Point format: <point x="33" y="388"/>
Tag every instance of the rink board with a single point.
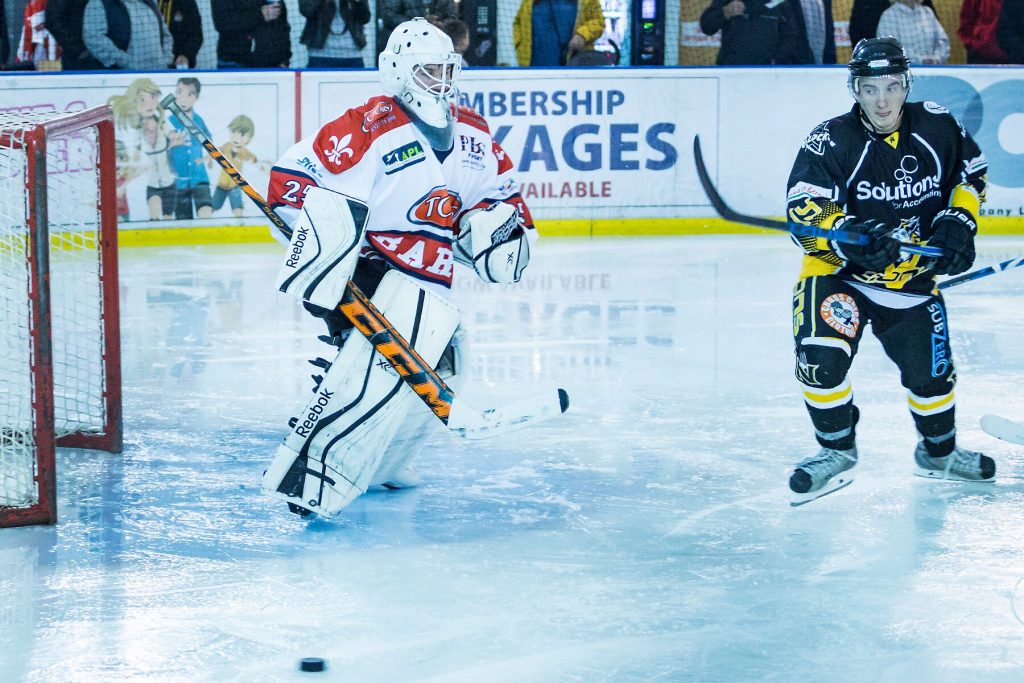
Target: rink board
<point x="597" y="152"/>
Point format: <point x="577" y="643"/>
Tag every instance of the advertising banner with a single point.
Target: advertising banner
<point x="592" y="145"/>
<point x="162" y="174"/>
<point x="585" y="146"/>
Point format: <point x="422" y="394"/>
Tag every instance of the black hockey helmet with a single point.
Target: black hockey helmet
<point x="878" y="57"/>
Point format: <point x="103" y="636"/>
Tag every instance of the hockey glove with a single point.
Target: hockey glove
<point x="881" y="251"/>
<point x="953" y="231"/>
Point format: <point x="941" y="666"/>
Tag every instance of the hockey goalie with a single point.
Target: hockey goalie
<point x="390" y="194"/>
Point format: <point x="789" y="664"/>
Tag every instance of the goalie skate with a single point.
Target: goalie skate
<point x="821" y="474"/>
<point x="960" y="465"/>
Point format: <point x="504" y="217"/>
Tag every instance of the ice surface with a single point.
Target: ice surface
<point x="644" y="536"/>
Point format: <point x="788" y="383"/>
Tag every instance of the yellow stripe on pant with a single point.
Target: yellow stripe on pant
<point x="930" y="405"/>
<point x="833" y="397"/>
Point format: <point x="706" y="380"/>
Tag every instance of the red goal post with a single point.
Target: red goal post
<point x="60" y="354"/>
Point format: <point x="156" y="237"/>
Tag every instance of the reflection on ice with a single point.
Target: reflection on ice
<point x="646" y="535"/>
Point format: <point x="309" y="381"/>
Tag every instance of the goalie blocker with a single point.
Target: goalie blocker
<point x="338" y="443"/>
<point x="324" y="248"/>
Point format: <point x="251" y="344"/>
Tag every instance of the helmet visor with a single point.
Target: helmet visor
<point x="437" y="79"/>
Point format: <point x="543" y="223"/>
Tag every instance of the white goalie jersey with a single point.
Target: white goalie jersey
<point x="376" y="155"/>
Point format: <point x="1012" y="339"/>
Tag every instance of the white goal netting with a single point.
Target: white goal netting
<point x="50" y="277"/>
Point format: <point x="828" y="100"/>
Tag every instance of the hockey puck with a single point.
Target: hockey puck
<point x="312" y="664"/>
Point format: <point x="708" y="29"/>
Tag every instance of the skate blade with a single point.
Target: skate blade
<point x="840" y="481"/>
<point x="940" y="475"/>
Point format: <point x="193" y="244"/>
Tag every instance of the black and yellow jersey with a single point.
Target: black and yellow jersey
<point x="903" y="178"/>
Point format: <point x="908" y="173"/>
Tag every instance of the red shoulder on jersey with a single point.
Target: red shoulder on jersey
<point x="341" y="144"/>
<point x="504" y="163"/>
<point x="470" y="117"/>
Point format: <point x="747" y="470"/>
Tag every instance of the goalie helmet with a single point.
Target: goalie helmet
<point x="874" y="57"/>
<point x="419" y="66"/>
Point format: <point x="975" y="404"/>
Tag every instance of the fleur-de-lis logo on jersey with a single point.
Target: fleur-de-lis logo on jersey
<point x="341" y="148"/>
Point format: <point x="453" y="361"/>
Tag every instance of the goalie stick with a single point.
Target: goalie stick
<point x="792" y="227"/>
<point x="454" y="412"/>
<point x="1004" y="429"/>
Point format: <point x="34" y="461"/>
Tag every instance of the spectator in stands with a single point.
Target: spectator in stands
<point x="458" y="31"/>
<point x="864" y="18"/>
<point x="64" y="20"/>
<point x="550" y="32"/>
<point x="394" y="12"/>
<point x="754" y="32"/>
<point x="252" y="33"/>
<point x="37" y="46"/>
<point x="5" y="42"/>
<point x="1010" y="30"/>
<point x="814" y="24"/>
<point x="978" y="20"/>
<point x="334" y="33"/>
<point x="127" y="34"/>
<point x="186" y="27"/>
<point x="918" y="30"/>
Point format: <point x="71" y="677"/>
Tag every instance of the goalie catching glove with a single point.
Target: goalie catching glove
<point x="494" y="243"/>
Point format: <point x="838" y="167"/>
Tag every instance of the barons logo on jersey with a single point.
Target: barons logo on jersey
<point x="840" y="312"/>
<point x="438" y="207"/>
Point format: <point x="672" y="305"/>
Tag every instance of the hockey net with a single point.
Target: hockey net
<point x="60" y="381"/>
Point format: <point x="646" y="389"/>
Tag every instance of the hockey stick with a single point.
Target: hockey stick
<point x="983" y="272"/>
<point x="459" y="417"/>
<point x="798" y="229"/>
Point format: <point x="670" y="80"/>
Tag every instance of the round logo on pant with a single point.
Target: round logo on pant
<point x="839" y="311"/>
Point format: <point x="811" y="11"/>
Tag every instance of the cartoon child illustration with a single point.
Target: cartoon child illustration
<point x="138" y="111"/>
<point x="237" y="152"/>
<point x="126" y="172"/>
<point x="188" y="156"/>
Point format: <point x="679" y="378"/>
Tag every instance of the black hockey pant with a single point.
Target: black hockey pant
<point x="829" y="317"/>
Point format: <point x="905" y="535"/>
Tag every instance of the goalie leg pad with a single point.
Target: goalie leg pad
<point x="336" y="445"/>
<point x="413" y="431"/>
<point x="324" y="248"/>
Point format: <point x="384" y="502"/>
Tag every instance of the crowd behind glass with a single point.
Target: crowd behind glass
<point x="151" y="35"/>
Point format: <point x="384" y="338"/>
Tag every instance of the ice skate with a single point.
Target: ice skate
<point x="821" y="474"/>
<point x="960" y="465"/>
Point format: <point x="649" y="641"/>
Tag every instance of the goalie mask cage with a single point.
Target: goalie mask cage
<point x="60" y="359"/>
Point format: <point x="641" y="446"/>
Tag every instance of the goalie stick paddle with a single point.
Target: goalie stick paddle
<point x="1004" y="429"/>
<point x="389" y="342"/>
<point x="798" y="229"/>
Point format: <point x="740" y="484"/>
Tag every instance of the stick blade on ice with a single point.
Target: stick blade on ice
<point x="1004" y="429"/>
<point x="525" y="412"/>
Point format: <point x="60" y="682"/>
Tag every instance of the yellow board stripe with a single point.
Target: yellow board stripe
<point x="607" y="227"/>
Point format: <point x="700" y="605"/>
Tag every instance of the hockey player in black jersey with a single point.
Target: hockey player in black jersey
<point x="891" y="170"/>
